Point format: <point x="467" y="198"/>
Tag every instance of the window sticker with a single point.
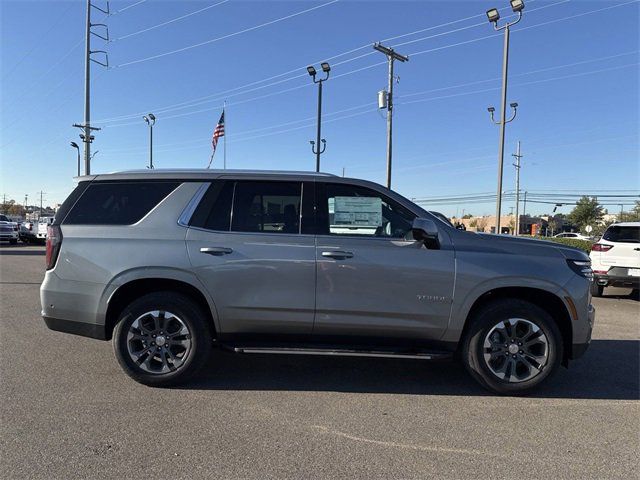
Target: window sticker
<point x="356" y="211"/>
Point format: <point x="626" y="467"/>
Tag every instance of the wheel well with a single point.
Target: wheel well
<point x="137" y="288"/>
<point x="549" y="302"/>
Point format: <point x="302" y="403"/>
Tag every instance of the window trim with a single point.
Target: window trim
<point x="190" y="209"/>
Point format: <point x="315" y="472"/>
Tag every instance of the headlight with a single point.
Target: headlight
<point x="582" y="268"/>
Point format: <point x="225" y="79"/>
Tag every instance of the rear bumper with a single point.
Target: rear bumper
<point x="622" y="281"/>
<point x="76" y="328"/>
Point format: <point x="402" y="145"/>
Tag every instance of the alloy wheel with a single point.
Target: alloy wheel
<point x="516" y="350"/>
<point x="158" y="342"/>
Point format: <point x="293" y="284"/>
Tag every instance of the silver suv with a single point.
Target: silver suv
<point x="170" y="263"/>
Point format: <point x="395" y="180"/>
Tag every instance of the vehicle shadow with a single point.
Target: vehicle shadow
<point x="608" y="370"/>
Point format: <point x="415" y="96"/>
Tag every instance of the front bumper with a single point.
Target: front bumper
<point x="578" y="349"/>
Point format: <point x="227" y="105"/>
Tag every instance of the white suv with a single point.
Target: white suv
<point x="615" y="259"/>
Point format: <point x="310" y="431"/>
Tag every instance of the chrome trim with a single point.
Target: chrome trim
<point x="338" y="353"/>
<point x="187" y="213"/>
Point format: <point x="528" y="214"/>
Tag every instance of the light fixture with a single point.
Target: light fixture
<point x="311" y="70"/>
<point x="493" y="15"/>
<point x="517" y="5"/>
<point x="514" y="105"/>
<point x="74" y="145"/>
<point x="491" y="109"/>
<point x="325" y="67"/>
<point x="152" y="116"/>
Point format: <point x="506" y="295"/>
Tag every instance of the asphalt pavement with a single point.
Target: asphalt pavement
<point x="67" y="411"/>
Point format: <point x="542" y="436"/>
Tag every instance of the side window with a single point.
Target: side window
<point x="354" y="210"/>
<point x="270" y="207"/>
<point x="117" y="203"/>
<point x="214" y="210"/>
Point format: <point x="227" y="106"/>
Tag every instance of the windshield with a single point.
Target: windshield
<point x="617" y="233"/>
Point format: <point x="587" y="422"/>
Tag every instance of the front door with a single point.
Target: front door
<point x="246" y="245"/>
<point x="373" y="279"/>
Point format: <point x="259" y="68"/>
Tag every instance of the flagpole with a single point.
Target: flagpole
<point x="224" y="111"/>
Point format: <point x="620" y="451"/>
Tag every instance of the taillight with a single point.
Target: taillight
<point x="601" y="247"/>
<point x="54" y="241"/>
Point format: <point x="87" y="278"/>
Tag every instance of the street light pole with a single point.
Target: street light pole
<point x="493" y="15"/>
<point x="315" y="146"/>
<point x="77" y="147"/>
<point x="391" y="57"/>
<point x="151" y="120"/>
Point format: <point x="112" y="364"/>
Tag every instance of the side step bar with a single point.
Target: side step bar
<point x="346" y="353"/>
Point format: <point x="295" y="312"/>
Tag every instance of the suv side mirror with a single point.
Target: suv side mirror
<point x="425" y="230"/>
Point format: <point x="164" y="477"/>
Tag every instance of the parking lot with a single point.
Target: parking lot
<point x="69" y="412"/>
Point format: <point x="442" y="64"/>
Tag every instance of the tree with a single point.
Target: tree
<point x="482" y="224"/>
<point x="586" y="212"/>
<point x="468" y="215"/>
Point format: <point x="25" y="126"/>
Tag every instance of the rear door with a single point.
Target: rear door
<point x="248" y="245"/>
<point x="374" y="280"/>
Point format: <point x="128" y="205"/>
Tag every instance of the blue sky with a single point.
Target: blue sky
<point x="574" y="74"/>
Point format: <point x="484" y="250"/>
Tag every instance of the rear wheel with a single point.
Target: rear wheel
<point x="162" y="339"/>
<point x="596" y="290"/>
<point x="512" y="346"/>
<point x="13" y="241"/>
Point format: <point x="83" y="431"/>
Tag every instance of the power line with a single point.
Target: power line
<point x="213" y="40"/>
<point x="169" y="21"/>
<point x="195" y="102"/>
<point x="473" y="92"/>
<point x="198" y="100"/>
<point x="128" y="7"/>
<point x="37" y="43"/>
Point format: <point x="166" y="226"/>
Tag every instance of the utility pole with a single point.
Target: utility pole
<point x="517" y="156"/>
<point x="41" y="193"/>
<point x="391" y="55"/>
<point x="86" y="127"/>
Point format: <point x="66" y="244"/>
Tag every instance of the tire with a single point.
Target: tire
<point x="541" y="345"/>
<point x="596" y="290"/>
<point x="13" y="241"/>
<point x="183" y="328"/>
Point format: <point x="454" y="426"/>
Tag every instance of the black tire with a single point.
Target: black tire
<point x="493" y="315"/>
<point x="596" y="290"/>
<point x="13" y="241"/>
<point x="199" y="338"/>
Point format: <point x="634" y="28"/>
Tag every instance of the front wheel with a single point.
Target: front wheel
<point x="162" y="339"/>
<point x="512" y="346"/>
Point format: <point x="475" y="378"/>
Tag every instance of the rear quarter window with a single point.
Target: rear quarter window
<point x="616" y="233"/>
<point x="117" y="203"/>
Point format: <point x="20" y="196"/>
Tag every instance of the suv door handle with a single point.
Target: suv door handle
<point x="337" y="254"/>
<point x="217" y="251"/>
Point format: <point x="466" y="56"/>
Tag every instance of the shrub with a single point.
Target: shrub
<point x="584" y="245"/>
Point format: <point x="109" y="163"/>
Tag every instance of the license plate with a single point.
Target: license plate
<point x="634" y="272"/>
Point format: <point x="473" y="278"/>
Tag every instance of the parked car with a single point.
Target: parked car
<point x="577" y="236"/>
<point x="8" y="230"/>
<point x="35" y="232"/>
<point x="168" y="263"/>
<point x="616" y="258"/>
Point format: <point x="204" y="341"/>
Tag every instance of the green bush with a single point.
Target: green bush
<point x="584" y="245"/>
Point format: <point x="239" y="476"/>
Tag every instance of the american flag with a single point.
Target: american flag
<point x="218" y="132"/>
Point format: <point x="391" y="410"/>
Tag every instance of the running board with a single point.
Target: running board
<point x="346" y="353"/>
